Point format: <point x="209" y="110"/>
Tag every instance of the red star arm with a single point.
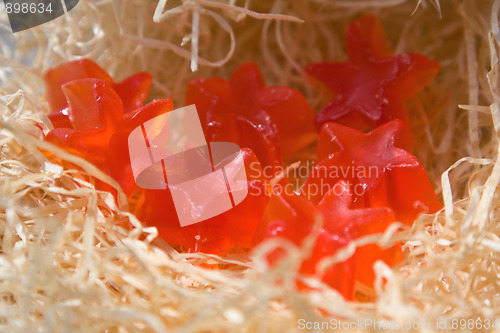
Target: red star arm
<point x="298" y="213"/>
<point x="328" y="142"/>
<point x="335" y="207"/>
<point x="134" y="90"/>
<point x="243" y="220"/>
<point x="332" y="74"/>
<point x="293" y="117"/>
<point x="149" y="111"/>
<point x="292" y="217"/>
<point x="93" y="103"/>
<point x="246" y="81"/>
<point x="234" y="228"/>
<point x="415" y="73"/>
<point x="261" y="135"/>
<point x="55" y="77"/>
<point x="340" y="276"/>
<point x="408" y="191"/>
<point x="209" y="96"/>
<point x="60" y="119"/>
<point x="365" y="39"/>
<point x="242" y="110"/>
<point x="90" y="144"/>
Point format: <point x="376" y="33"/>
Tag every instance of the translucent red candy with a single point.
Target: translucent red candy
<point x="362" y="182"/>
<point x="373" y="86"/>
<point x="132" y="91"/>
<point x="338" y="214"/>
<point x="232" y="229"/>
<point x="275" y="122"/>
<point x="293" y="217"/>
<point x="100" y="126"/>
<point x="95" y="125"/>
<point x="379" y="173"/>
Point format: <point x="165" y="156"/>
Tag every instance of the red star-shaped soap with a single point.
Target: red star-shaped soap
<point x="100" y="126"/>
<point x="373" y="86"/>
<point x="380" y="174"/>
<point x="132" y="91"/>
<point x="275" y="122"/>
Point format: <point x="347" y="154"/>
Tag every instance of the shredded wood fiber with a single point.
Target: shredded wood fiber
<point x="70" y="263"/>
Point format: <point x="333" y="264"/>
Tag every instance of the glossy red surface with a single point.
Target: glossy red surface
<point x="274" y="121"/>
<point x="373" y="86"/>
<point x="379" y="173"/>
<point x="293" y="217"/>
<point x="132" y="91"/>
<point x="100" y="115"/>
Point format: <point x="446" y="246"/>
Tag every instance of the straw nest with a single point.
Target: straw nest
<point x="69" y="261"/>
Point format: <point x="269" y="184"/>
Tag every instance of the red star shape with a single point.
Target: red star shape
<point x="100" y="126"/>
<point x="292" y="217"/>
<point x="99" y="116"/>
<point x="132" y="91"/>
<point x="338" y="215"/>
<point x="373" y="86"/>
<point x="232" y="229"/>
<point x="380" y="174"/>
<point x="275" y="122"/>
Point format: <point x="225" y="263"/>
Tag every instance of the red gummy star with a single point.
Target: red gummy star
<point x="292" y="217"/>
<point x="380" y="174"/>
<point x="95" y="121"/>
<point x="338" y="215"/>
<point x="132" y="91"/>
<point x="217" y="235"/>
<point x="373" y="86"/>
<point x="100" y="126"/>
<point x="275" y="122"/>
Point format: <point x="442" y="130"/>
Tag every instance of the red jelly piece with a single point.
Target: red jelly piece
<point x="73" y="70"/>
<point x="232" y="229"/>
<point x="380" y="174"/>
<point x="338" y="215"/>
<point x="292" y="217"/>
<point x="275" y="122"/>
<point x="373" y="86"/>
<point x="101" y="127"/>
<point x="88" y="100"/>
<point x="132" y="91"/>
